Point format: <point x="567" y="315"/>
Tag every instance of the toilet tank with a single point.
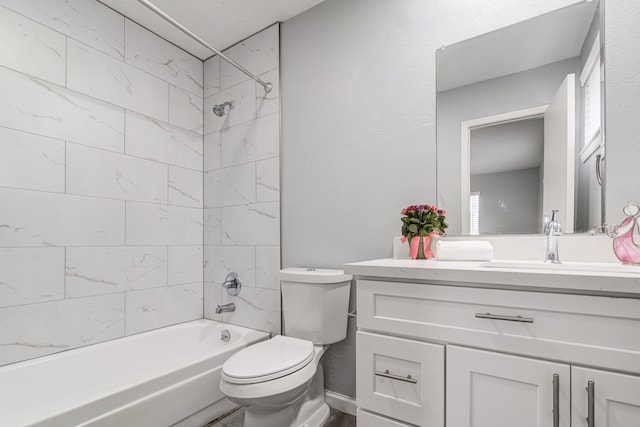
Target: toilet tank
<point x="315" y="304"/>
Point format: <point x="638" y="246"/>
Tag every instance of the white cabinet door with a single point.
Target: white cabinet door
<point x="616" y="398"/>
<point x="487" y="389"/>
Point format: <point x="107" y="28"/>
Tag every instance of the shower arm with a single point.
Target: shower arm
<point x="267" y="86"/>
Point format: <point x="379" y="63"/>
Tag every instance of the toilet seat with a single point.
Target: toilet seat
<point x="268" y="360"/>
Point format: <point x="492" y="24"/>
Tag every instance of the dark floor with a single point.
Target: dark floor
<point x="336" y="419"/>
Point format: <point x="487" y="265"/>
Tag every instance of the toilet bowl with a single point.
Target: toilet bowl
<point x="280" y="381"/>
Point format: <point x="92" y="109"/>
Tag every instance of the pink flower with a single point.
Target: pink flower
<point x="403" y="211"/>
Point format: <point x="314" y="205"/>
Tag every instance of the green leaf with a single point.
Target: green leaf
<point x="413" y="228"/>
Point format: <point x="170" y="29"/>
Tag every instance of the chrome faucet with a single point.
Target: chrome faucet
<point x="225" y="308"/>
<point x="552" y="229"/>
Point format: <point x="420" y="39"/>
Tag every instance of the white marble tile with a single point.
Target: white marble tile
<point x="185" y="109"/>
<point x="34" y="330"/>
<point x="257" y="140"/>
<point x="31" y="161"/>
<point x="31" y="218"/>
<point x="46" y="48"/>
<point x="104" y="270"/>
<point x="212" y="298"/>
<point x="164" y="60"/>
<point x="213" y="226"/>
<point x="222" y="260"/>
<point x="99" y="173"/>
<point x="30" y="275"/>
<point x="88" y="21"/>
<point x="257" y="224"/>
<point x="185" y="265"/>
<point x="268" y="267"/>
<point x="101" y="76"/>
<point x="212" y="151"/>
<point x="185" y="187"/>
<point x="31" y="105"/>
<point x="255" y="308"/>
<point x="151" y="224"/>
<point x="244" y="96"/>
<point x="235" y="185"/>
<point x="268" y="103"/>
<point x="212" y="76"/>
<point x="268" y="180"/>
<point x="156" y="308"/>
<point x="259" y="53"/>
<point x="156" y="140"/>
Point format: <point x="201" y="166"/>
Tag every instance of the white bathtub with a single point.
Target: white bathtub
<point x="156" y="378"/>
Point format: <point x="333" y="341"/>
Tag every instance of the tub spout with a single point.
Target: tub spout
<point x="224" y="308"/>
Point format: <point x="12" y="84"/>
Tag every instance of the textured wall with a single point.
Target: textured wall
<point x="100" y="178"/>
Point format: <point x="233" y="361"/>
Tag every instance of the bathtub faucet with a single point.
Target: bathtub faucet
<point x="224" y="308"/>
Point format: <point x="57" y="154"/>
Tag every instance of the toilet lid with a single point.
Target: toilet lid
<point x="268" y="360"/>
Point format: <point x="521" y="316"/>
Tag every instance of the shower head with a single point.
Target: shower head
<point x="218" y="109"/>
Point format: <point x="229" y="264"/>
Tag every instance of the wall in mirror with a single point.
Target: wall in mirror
<point x="519" y="131"/>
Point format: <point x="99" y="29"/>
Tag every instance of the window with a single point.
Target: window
<point x="474" y="213"/>
<point x="590" y="79"/>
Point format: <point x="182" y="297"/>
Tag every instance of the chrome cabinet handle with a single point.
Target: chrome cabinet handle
<point x="591" y="396"/>
<point x="556" y="400"/>
<point x="598" y="171"/>
<point x="502" y="317"/>
<point x="406" y="379"/>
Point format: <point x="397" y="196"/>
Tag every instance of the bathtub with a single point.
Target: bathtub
<point x="156" y="378"/>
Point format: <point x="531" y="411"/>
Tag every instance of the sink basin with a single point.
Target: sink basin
<point x="600" y="267"/>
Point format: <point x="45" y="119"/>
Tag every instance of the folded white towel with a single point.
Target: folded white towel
<point x="464" y="250"/>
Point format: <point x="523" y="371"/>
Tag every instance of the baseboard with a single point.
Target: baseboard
<point x="342" y="403"/>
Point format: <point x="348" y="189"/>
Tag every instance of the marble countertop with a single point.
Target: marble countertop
<point x="476" y="274"/>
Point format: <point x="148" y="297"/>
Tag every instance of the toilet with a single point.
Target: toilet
<point x="280" y="381"/>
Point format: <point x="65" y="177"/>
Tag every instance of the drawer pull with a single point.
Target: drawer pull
<point x="502" y="317"/>
<point x="556" y="400"/>
<point x="591" y="396"/>
<point x="406" y="379"/>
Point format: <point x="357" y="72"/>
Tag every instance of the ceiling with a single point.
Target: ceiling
<point x="222" y="23"/>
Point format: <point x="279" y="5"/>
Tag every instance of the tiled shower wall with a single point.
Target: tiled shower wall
<point x="101" y="154"/>
<point x="242" y="184"/>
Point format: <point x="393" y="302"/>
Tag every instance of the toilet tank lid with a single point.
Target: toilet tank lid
<point x="314" y="275"/>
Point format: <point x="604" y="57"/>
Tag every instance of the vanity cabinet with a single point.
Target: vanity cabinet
<point x="501" y="356"/>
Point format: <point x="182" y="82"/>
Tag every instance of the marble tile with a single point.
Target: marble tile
<point x="47" y="48"/>
<point x="268" y="103"/>
<point x="257" y="140"/>
<point x="257" y="224"/>
<point x="88" y="21"/>
<point x="104" y="270"/>
<point x="255" y="308"/>
<point x="212" y="151"/>
<point x="155" y="55"/>
<point x="185" y="109"/>
<point x="235" y="185"/>
<point x="213" y="226"/>
<point x="185" y="264"/>
<point x="185" y="187"/>
<point x="155" y="140"/>
<point x="156" y="308"/>
<point x="151" y="224"/>
<point x="31" y="218"/>
<point x="212" y="298"/>
<point x="30" y="275"/>
<point x="26" y="330"/>
<point x="244" y="96"/>
<point x="268" y="267"/>
<point x="30" y="105"/>
<point x="212" y="76"/>
<point x="99" y="173"/>
<point x="31" y="161"/>
<point x="98" y="75"/>
<point x="259" y="53"/>
<point x="222" y="260"/>
<point x="268" y="180"/>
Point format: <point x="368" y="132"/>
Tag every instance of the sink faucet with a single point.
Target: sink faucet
<point x="224" y="308"/>
<point x="552" y="229"/>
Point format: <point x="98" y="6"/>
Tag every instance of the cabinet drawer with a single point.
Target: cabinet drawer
<point x="367" y="419"/>
<point x="592" y="330"/>
<point x="400" y="378"/>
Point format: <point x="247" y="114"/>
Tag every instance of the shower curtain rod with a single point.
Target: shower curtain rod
<point x="163" y="15"/>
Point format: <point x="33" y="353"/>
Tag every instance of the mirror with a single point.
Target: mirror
<point x="519" y="131"/>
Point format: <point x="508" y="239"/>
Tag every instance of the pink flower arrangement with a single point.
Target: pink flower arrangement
<point x="422" y="220"/>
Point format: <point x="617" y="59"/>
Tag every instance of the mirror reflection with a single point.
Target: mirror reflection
<point x="519" y="125"/>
